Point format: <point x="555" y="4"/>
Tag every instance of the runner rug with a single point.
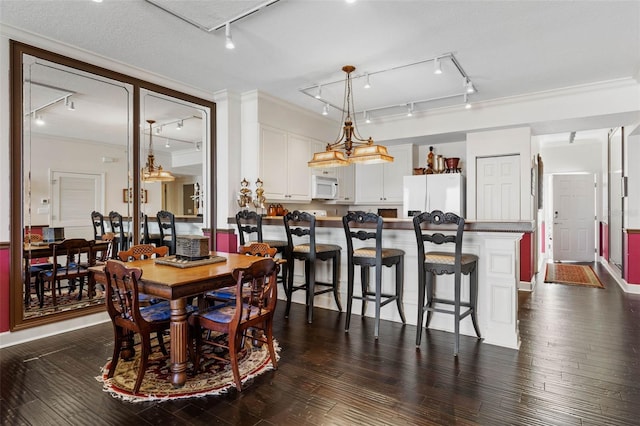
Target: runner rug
<point x="214" y="378"/>
<point x="561" y="273"/>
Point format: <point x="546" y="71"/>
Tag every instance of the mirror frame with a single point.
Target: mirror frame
<point x="17" y="50"/>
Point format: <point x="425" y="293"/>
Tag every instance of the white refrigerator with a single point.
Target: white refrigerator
<point x="445" y="191"/>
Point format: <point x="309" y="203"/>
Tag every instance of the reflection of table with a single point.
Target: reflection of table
<point x="45" y="250"/>
<point x="176" y="284"/>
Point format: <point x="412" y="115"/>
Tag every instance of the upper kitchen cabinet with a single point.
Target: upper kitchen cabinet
<point x="283" y="165"/>
<point x="382" y="183"/>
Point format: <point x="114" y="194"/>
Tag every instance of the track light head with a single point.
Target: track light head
<point x="467" y="104"/>
<point x="367" y="85"/>
<point x="228" y="40"/>
<point x="319" y="93"/>
<point x="39" y="120"/>
<point x="180" y="125"/>
<point x="325" y="110"/>
<point x="437" y="68"/>
<point x="410" y="110"/>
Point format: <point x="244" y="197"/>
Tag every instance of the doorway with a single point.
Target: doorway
<point x="574" y="213"/>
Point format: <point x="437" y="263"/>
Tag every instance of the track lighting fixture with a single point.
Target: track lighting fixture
<point x="228" y="40"/>
<point x="437" y="69"/>
<point x="325" y="110"/>
<point x="319" y="94"/>
<point x="167" y="144"/>
<point x="179" y="126"/>
<point x="39" y="120"/>
<point x="367" y="85"/>
<point x="69" y="104"/>
<point x="467" y="104"/>
<point x="410" y="110"/>
<point x="367" y="118"/>
<point x="468" y="85"/>
<point x="198" y="147"/>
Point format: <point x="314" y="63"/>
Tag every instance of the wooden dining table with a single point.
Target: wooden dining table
<point x="176" y="285"/>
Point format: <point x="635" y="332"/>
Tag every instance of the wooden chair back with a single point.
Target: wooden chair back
<point x="167" y="225"/>
<point x="122" y="294"/>
<point x="363" y="226"/>
<point x="427" y="234"/>
<point x="301" y="228"/>
<point x="249" y="223"/>
<point x="142" y="251"/>
<point x="260" y="280"/>
<point x="258" y="249"/>
<point x="97" y="220"/>
<point x="117" y="227"/>
<point x="32" y="238"/>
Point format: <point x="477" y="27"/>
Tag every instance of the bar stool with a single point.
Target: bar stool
<point x="249" y="223"/>
<point x="433" y="263"/>
<point x="303" y="226"/>
<point x="117" y="227"/>
<point x="167" y="225"/>
<point x="97" y="220"/>
<point x="367" y="257"/>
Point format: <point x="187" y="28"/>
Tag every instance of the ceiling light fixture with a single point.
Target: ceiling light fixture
<point x="367" y="85"/>
<point x="367" y="118"/>
<point x="319" y="93"/>
<point x="228" y="40"/>
<point x="437" y="68"/>
<point x="167" y="144"/>
<point x="179" y="125"/>
<point x="467" y="104"/>
<point x="151" y="172"/>
<point x="350" y="147"/>
<point x="70" y="105"/>
<point x="198" y="146"/>
<point x="325" y="109"/>
<point x="469" y="86"/>
<point x="39" y="120"/>
<point x="410" y="110"/>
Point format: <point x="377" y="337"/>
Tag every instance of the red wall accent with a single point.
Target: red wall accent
<point x="632" y="264"/>
<point x="4" y="289"/>
<point x="227" y="242"/>
<point x="526" y="258"/>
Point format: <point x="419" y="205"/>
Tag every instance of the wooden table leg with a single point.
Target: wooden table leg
<point x="179" y="336"/>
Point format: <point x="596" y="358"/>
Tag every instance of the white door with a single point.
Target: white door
<point x="498" y="188"/>
<point x="73" y="197"/>
<point x="574" y="217"/>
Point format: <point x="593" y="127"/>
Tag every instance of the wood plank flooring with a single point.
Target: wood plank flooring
<point x="579" y="364"/>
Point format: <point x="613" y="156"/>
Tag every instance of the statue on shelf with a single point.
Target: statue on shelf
<point x="259" y="202"/>
<point x="430" y="156"/>
<point x="244" y="198"/>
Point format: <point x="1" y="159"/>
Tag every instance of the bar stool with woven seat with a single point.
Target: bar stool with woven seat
<point x="431" y="263"/>
<point x="358" y="225"/>
<point x="250" y="223"/>
<point x="123" y="238"/>
<point x="167" y="225"/>
<point x="303" y="226"/>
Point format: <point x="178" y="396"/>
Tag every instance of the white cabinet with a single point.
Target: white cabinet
<point x="283" y="165"/>
<point x="346" y="184"/>
<point x="382" y="183"/>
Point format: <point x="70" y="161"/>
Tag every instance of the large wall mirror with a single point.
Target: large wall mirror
<point x="82" y="137"/>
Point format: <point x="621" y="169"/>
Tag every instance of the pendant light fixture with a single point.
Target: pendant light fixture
<point x="350" y="147"/>
<point x="151" y="172"/>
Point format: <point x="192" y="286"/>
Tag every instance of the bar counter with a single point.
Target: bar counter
<point x="496" y="243"/>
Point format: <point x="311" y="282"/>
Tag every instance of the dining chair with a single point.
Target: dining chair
<point x="117" y="227"/>
<point x="302" y="245"/>
<point x="432" y="263"/>
<point x="364" y="227"/>
<point x="147" y="237"/>
<point x="228" y="294"/>
<point x="97" y="220"/>
<point x="253" y="313"/>
<point x="35" y="266"/>
<point x="167" y="225"/>
<point x="139" y="252"/>
<point x="250" y="229"/>
<point x="127" y="316"/>
<point x="75" y="255"/>
<point x="105" y="251"/>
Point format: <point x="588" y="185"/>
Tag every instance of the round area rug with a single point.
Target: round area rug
<point x="215" y="377"/>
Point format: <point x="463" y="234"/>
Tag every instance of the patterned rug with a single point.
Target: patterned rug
<point x="214" y="378"/>
<point x="65" y="301"/>
<point x="561" y="273"/>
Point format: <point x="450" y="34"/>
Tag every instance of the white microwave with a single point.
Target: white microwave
<point x="324" y="188"/>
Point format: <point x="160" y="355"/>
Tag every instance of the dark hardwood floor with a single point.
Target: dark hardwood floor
<point x="579" y="364"/>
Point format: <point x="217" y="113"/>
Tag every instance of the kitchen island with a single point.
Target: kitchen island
<point x="496" y="243"/>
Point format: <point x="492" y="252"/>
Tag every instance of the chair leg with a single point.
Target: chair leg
<point x="310" y="276"/>
<point x="350" y="273"/>
<point x="421" y="288"/>
<point x="364" y="285"/>
<point x="378" y="296"/>
<point x="289" y="285"/>
<point x="233" y="356"/>
<point x="163" y="349"/>
<point x="430" y="283"/>
<point x="144" y="359"/>
<point x="400" y="287"/>
<point x="117" y="344"/>
<point x="336" y="280"/>
<point x="268" y="329"/>
<point x="473" y="295"/>
<point x="456" y="314"/>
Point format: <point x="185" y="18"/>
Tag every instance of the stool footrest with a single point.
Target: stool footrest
<point x="449" y="311"/>
<point x="384" y="298"/>
<point x="450" y="302"/>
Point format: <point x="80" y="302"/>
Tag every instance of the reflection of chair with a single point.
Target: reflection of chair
<point x="167" y="225"/>
<point x="371" y="257"/>
<point x="128" y="317"/>
<point x="437" y="263"/>
<point x="227" y="294"/>
<point x="254" y="312"/>
<point x="303" y="226"/>
<point x="249" y="223"/>
<point x="146" y="237"/>
<point x="97" y="219"/>
<point x="104" y="251"/>
<point x="142" y="251"/>
<point x="77" y="255"/>
<point x="117" y="227"/>
<point x="35" y="266"/>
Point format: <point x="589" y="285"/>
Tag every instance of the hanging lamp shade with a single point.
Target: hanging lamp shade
<point x="328" y="159"/>
<point x="370" y="154"/>
<point x="151" y="172"/>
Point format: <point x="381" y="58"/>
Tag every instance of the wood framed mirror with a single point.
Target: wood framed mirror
<point x="78" y="140"/>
